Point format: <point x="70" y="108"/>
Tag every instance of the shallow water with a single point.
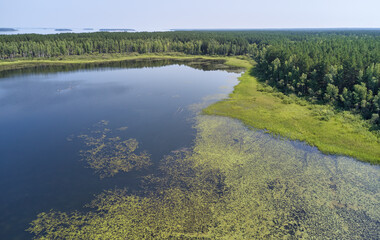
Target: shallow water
<point x="203" y="170"/>
<point x="286" y="189"/>
<point x="235" y="183"/>
<point x="39" y="112"/>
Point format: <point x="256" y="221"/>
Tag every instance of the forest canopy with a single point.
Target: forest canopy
<point x="335" y="67"/>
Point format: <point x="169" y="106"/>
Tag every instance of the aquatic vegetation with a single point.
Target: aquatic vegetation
<point x="252" y="102"/>
<point x="122" y="128"/>
<point x="234" y="183"/>
<point x="332" y="132"/>
<point x="206" y="101"/>
<point x="75" y="62"/>
<point x="120" y="216"/>
<point x="179" y="208"/>
<point x="108" y="155"/>
<point x="277" y="188"/>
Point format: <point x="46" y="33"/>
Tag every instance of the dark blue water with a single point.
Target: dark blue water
<point x="41" y="170"/>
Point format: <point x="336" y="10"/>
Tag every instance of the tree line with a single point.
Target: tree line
<point x="340" y="70"/>
<point x="336" y="67"/>
<point x="33" y="45"/>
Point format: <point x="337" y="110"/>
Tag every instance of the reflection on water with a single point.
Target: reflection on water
<point x="40" y="111"/>
<point x="201" y="64"/>
<point x="235" y="183"/>
<point x="206" y="177"/>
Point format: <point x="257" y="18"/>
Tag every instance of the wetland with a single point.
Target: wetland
<point x="122" y="150"/>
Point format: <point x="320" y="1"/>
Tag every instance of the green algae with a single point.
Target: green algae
<point x="283" y="189"/>
<point x="179" y="207"/>
<point x="108" y="155"/>
<point x="332" y="132"/>
<point x="234" y="183"/>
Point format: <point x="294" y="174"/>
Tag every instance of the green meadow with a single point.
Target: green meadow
<point x="261" y="107"/>
<point x="234" y="182"/>
<point x="331" y="131"/>
<point x="106" y="58"/>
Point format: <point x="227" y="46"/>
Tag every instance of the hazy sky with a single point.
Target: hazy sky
<point x="166" y="14"/>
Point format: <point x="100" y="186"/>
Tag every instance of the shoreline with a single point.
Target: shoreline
<point x="342" y="134"/>
<point x="108" y="58"/>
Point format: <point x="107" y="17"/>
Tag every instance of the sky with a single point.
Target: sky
<point x="151" y="15"/>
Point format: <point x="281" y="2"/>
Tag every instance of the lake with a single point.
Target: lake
<point x="68" y="133"/>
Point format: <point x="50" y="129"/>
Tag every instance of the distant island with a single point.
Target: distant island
<point x="63" y="30"/>
<point x="88" y="29"/>
<point x="116" y="30"/>
<point x="7" y="30"/>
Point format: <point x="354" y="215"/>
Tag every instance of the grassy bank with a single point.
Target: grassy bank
<point x="226" y="187"/>
<point x="336" y="133"/>
<point x="106" y="58"/>
<point x="331" y="132"/>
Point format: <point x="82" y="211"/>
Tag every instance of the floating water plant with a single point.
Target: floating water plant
<point x="108" y="155"/>
<point x="234" y="183"/>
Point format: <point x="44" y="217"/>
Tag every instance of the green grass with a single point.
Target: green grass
<point x="232" y="184"/>
<point x="239" y="184"/>
<point x="104" y="58"/>
<point x="343" y="133"/>
<point x="339" y="133"/>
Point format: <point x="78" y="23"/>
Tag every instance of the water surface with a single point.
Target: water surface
<point x="41" y="109"/>
<point x="58" y="126"/>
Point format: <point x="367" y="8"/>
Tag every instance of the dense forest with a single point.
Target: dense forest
<point x="340" y="70"/>
<point x="336" y="67"/>
<point x="213" y="43"/>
